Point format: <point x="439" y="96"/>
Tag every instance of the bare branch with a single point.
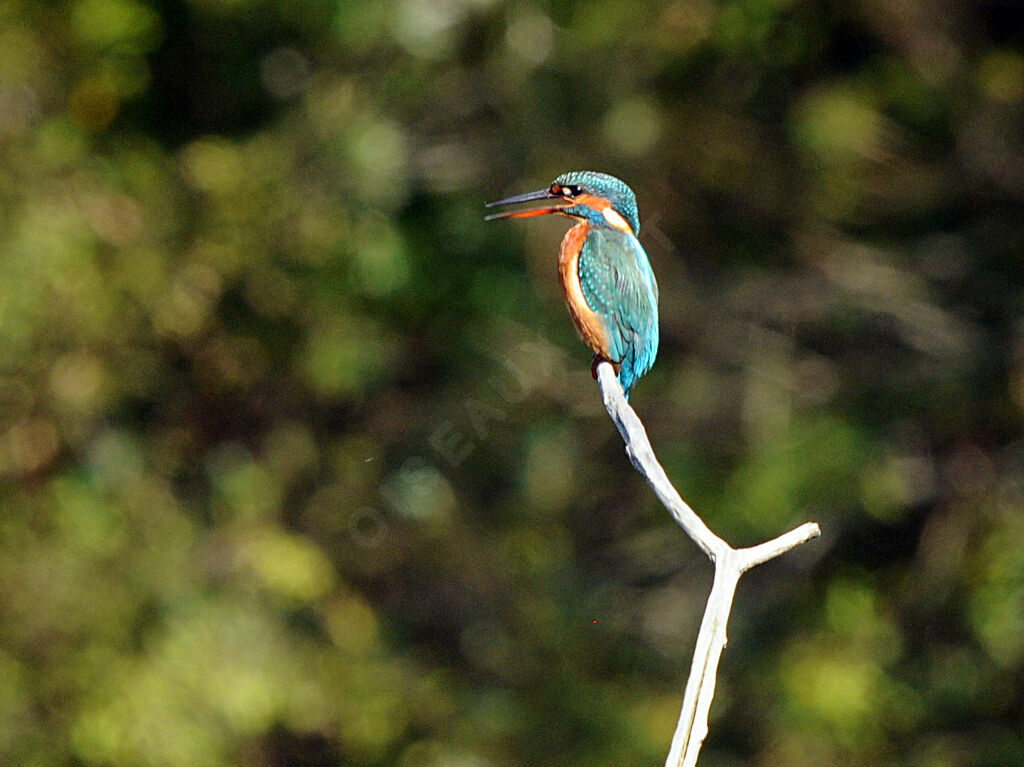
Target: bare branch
<point x="761" y="553"/>
<point x="640" y="452"/>
<point x="730" y="564"/>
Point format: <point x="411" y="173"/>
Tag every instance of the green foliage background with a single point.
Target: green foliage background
<point x="302" y="464"/>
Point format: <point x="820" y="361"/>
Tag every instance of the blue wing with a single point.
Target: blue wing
<point x="619" y="286"/>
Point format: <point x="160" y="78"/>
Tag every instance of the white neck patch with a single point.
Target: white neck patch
<point x="615" y="220"/>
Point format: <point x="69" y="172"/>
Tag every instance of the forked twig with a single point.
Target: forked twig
<point x="729" y="563"/>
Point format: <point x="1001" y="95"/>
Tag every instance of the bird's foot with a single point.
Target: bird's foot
<point x="598" y="359"/>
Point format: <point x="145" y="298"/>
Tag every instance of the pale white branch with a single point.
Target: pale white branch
<point x="640" y="452"/>
<point x="730" y="564"/>
<point x="762" y="552"/>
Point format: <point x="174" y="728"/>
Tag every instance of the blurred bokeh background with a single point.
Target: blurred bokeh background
<point x="302" y="463"/>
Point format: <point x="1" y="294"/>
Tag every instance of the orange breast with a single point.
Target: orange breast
<point x="587" y="322"/>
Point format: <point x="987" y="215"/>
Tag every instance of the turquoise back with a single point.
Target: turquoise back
<point x="619" y="286"/>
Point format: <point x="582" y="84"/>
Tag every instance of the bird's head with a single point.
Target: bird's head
<point x="601" y="199"/>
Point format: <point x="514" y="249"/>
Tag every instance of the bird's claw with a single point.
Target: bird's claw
<point x="598" y="359"/>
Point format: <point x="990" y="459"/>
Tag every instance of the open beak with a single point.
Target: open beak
<point x="542" y="194"/>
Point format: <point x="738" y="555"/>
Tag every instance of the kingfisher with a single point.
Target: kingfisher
<point x="606" y="278"/>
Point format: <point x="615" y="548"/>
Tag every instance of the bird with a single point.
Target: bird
<point x="607" y="280"/>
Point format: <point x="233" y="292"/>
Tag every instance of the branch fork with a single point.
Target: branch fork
<point x="730" y="564"/>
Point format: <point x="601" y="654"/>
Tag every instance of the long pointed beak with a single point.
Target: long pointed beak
<point x="541" y="194"/>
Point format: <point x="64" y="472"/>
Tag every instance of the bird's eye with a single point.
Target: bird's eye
<point x="565" y="191"/>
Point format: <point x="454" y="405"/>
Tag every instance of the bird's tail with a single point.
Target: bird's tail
<point x="627" y="375"/>
<point x="634" y="365"/>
